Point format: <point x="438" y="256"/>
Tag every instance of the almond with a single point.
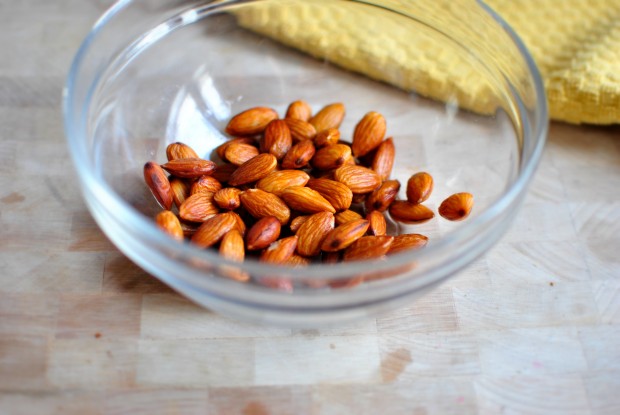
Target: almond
<point x="407" y="241"/>
<point x="279" y="180"/>
<point x="177" y="151"/>
<point x="457" y="207"/>
<point x="382" y="197"/>
<point x="306" y="200"/>
<point x="198" y="207"/>
<point x="239" y="153"/>
<point x="368" y="134"/>
<point x="300" y="130"/>
<point x="169" y="223"/>
<point x="419" y="187"/>
<point x="205" y="184"/>
<point x="299" y="110"/>
<point x="260" y="204"/>
<point x="263" y="233"/>
<point x="327" y="137"/>
<point x="357" y="178"/>
<point x="189" y="168"/>
<point x="368" y="247"/>
<point x="279" y="252"/>
<point x="221" y="149"/>
<point x="180" y="190"/>
<point x="297" y="222"/>
<point x="189" y="228"/>
<point x="330" y="116"/>
<point x="158" y="183"/>
<point x="251" y="122"/>
<point x="280" y="284"/>
<point x="223" y="172"/>
<point x="336" y="193"/>
<point x="239" y="223"/>
<point x="378" y="225"/>
<point x="227" y="198"/>
<point x="407" y="212"/>
<point x="344" y="235"/>
<point x="312" y="233"/>
<point x="347" y="282"/>
<point x="331" y="157"/>
<point x="232" y="249"/>
<point x="383" y="160"/>
<point x="347" y="216"/>
<point x="277" y="139"/>
<point x="299" y="155"/>
<point x="359" y="198"/>
<point x="213" y="229"/>
<point x="253" y="170"/>
<point x="298" y="261"/>
<point x="330" y="257"/>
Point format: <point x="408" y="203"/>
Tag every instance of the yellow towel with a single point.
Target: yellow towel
<point x="575" y="43"/>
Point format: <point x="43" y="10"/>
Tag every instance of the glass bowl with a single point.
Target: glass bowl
<point x="461" y="95"/>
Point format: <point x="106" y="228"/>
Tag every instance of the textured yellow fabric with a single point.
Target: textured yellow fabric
<point x="576" y="44"/>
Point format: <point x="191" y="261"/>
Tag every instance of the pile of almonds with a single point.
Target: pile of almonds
<point x="291" y="192"/>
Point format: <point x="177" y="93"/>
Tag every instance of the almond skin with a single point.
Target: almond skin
<point x="368" y="247"/>
<point x="306" y="200"/>
<point x="344" y="235"/>
<point x="381" y="198"/>
<point x="221" y="149"/>
<point x="198" y="207"/>
<point x="279" y="180"/>
<point x="331" y="157"/>
<point x="368" y="134"/>
<point x="251" y="122"/>
<point x="227" y="198"/>
<point x="169" y="223"/>
<point x="239" y="223"/>
<point x="205" y="184"/>
<point x="178" y="150"/>
<point x="277" y="139"/>
<point x="189" y="168"/>
<point x="347" y="216"/>
<point x="299" y="110"/>
<point x="300" y="130"/>
<point x="223" y="172"/>
<point x="312" y="233"/>
<point x="327" y="137"/>
<point x="419" y="187"/>
<point x="263" y="233"/>
<point x="407" y="241"/>
<point x="253" y="170"/>
<point x="378" y="225"/>
<point x="260" y="204"/>
<point x="383" y="161"/>
<point x="330" y="116"/>
<point x="279" y="252"/>
<point x="457" y="207"/>
<point x="232" y="249"/>
<point x="180" y="191"/>
<point x="158" y="183"/>
<point x="298" y="261"/>
<point x="299" y="155"/>
<point x="406" y="212"/>
<point x="239" y="153"/>
<point x="297" y="222"/>
<point x="359" y="179"/>
<point x="213" y="229"/>
<point x="336" y="193"/>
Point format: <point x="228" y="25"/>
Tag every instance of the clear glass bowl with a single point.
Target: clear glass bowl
<point x="461" y="95"/>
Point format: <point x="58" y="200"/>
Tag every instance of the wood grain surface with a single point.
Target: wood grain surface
<point x="531" y="328"/>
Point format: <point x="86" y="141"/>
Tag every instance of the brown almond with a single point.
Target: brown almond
<point x="407" y="241"/>
<point x="299" y="110"/>
<point x="205" y="184"/>
<point x="279" y="252"/>
<point x="189" y="168"/>
<point x="263" y="233"/>
<point x="299" y="155"/>
<point x="223" y="172"/>
<point x="227" y="198"/>
<point x="378" y="225"/>
<point x="419" y="187"/>
<point x="457" y="207"/>
<point x="180" y="190"/>
<point x="342" y="283"/>
<point x="279" y="180"/>
<point x="232" y="249"/>
<point x="221" y="149"/>
<point x="368" y="134"/>
<point x="368" y="247"/>
<point x="252" y="121"/>
<point x="330" y="257"/>
<point x="347" y="216"/>
<point x="298" y="261"/>
<point x="383" y="160"/>
<point x="297" y="222"/>
<point x="357" y="178"/>
<point x="189" y="228"/>
<point x="344" y="235"/>
<point x="359" y="198"/>
<point x="312" y="233"/>
<point x="213" y="229"/>
<point x="382" y="197"/>
<point x="239" y="153"/>
<point x="331" y="157"/>
<point x="277" y="139"/>
<point x="158" y="183"/>
<point x="253" y="170"/>
<point x="327" y="137"/>
<point x="306" y="200"/>
<point x="239" y="223"/>
<point x="300" y="130"/>
<point x="260" y="204"/>
<point x="407" y="212"/>
<point x="330" y="116"/>
<point x="336" y="193"/>
<point x="169" y="223"/>
<point x="198" y="207"/>
<point x="178" y="150"/>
